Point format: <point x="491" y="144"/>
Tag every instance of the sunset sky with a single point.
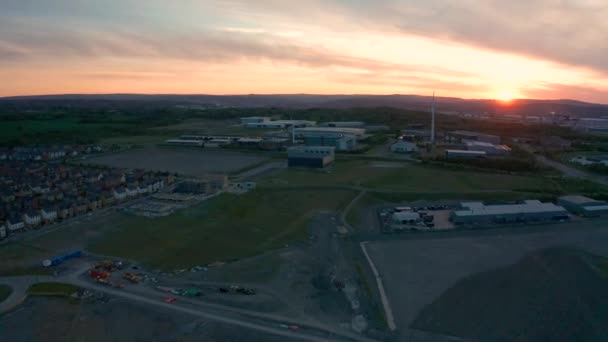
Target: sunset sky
<point x="465" y="48"/>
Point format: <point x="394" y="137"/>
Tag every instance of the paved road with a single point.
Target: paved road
<point x="565" y="169"/>
<point x="244" y="318"/>
<point x="571" y="171"/>
<point x="19" y="285"/>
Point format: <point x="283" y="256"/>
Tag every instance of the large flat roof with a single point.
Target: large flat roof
<point x="357" y="131"/>
<point x="467" y="152"/>
<point x="578" y="199"/>
<point x="471" y="133"/>
<point x="529" y="207"/>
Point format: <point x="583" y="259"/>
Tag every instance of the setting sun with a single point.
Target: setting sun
<point x="505" y="95"/>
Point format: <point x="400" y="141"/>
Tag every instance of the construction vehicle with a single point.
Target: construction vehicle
<point x="246" y="291"/>
<point x="131" y="277"/>
<point x="191" y="293"/>
<point x="96" y="274"/>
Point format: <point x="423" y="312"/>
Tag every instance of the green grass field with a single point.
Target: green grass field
<point x="52" y="289"/>
<point x="54" y="129"/>
<point x="227" y="227"/>
<point x="5" y="291"/>
<point x="409" y="178"/>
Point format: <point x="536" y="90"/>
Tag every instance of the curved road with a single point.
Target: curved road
<point x="251" y="320"/>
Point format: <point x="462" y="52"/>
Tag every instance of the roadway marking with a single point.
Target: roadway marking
<point x="388" y="312"/>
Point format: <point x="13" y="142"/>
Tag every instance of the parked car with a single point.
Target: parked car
<point x="169" y="300"/>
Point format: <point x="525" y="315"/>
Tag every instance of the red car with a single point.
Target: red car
<point x="169" y="300"/>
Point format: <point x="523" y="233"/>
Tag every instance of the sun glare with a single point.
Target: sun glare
<point x="505" y="95"/>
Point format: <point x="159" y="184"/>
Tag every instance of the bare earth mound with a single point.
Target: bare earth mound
<point x="556" y="294"/>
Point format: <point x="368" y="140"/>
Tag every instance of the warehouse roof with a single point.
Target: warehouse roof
<point x="477" y="153"/>
<point x="596" y="207"/>
<point x="471" y="134"/>
<point x="577" y="199"/>
<point x="406" y="216"/>
<point x="528" y="207"/>
<point x="343" y="130"/>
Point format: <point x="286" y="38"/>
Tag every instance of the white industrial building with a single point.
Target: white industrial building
<point x="279" y="124"/>
<point x="405" y="217"/>
<point x="254" y="119"/>
<point x="582" y="205"/>
<point x="344" y="124"/>
<point x="464" y="136"/>
<point x="528" y="211"/>
<point x="489" y="148"/>
<point x="403" y="146"/>
<point x="184" y="142"/>
<point x="343" y="139"/>
<point x="592" y="124"/>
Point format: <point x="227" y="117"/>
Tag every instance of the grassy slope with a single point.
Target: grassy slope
<point x="229" y="226"/>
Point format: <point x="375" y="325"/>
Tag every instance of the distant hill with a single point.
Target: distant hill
<point x="413" y="102"/>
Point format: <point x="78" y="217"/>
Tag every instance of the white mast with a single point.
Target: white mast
<point x="433" y="120"/>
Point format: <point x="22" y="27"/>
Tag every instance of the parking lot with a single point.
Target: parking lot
<point x="189" y="162"/>
<point x="424" y="218"/>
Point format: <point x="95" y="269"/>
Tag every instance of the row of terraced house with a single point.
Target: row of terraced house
<point x="35" y="193"/>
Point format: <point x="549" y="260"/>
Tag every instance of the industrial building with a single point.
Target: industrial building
<point x="209" y="185"/>
<point x="489" y="148"/>
<point x="582" y="205"/>
<point x="279" y="124"/>
<point x="464" y="154"/>
<point x="185" y="142"/>
<point x="403" y="146"/>
<point x="254" y="119"/>
<point x="528" y="211"/>
<point x="344" y="124"/>
<point x="310" y="156"/>
<point x="592" y="124"/>
<point x="405" y="217"/>
<point x="343" y="139"/>
<point x="464" y="136"/>
<point x="274" y="144"/>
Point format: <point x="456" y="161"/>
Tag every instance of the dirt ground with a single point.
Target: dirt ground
<point x="189" y="162"/>
<point x="418" y="269"/>
<point x="298" y="281"/>
<point x="105" y="319"/>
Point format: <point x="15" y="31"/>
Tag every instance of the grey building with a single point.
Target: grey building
<point x="254" y="119"/>
<point x="489" y="148"/>
<point x="343" y="139"/>
<point x="464" y="154"/>
<point x="528" y="211"/>
<point x="344" y="124"/>
<point x="463" y="136"/>
<point x="582" y="205"/>
<point x="310" y="156"/>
